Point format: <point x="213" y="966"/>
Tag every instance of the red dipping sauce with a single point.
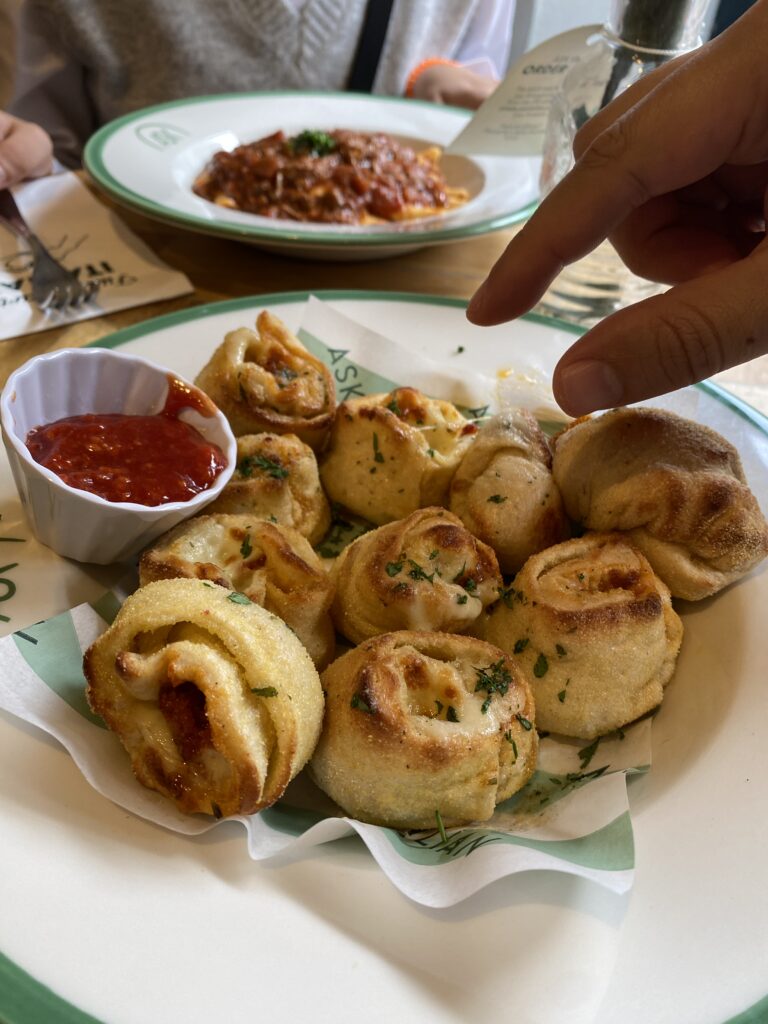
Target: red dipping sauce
<point x="147" y="460"/>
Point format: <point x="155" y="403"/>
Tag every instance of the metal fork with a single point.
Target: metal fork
<point x="53" y="286"/>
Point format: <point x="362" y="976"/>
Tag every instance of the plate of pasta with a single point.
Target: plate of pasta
<point x="573" y="952"/>
<point x="318" y="175"/>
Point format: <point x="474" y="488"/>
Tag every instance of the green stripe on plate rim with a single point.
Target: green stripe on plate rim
<point x="93" y="159"/>
<point x="27" y="1001"/>
<point x="23" y="1000"/>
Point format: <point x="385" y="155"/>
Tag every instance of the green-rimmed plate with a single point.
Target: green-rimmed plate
<point x="106" y="915"/>
<point x="149" y="159"/>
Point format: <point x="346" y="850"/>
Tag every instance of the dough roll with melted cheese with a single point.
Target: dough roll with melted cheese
<point x="504" y="491"/>
<point x="420" y="722"/>
<point x="276" y="478"/>
<point x="265" y="380"/>
<point x="675" y="487"/>
<point x="274" y="566"/>
<point x="216" y="702"/>
<point x="391" y="454"/>
<point x="423" y="572"/>
<point x="593" y="631"/>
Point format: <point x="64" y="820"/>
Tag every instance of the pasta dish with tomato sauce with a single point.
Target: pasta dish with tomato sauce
<point x="341" y="177"/>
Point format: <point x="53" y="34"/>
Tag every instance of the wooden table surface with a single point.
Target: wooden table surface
<point x="222" y="269"/>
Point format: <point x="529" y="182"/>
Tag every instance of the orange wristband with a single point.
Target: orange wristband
<point x="430" y="62"/>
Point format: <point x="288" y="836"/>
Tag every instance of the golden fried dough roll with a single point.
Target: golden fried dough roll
<point x="593" y="631"/>
<point x="504" y="492"/>
<point x="265" y="380"/>
<point x="418" y="723"/>
<point x="274" y="566"/>
<point x="276" y="478"/>
<point x="391" y="454"/>
<point x="675" y="487"/>
<point x="423" y="572"/>
<point x="215" y="700"/>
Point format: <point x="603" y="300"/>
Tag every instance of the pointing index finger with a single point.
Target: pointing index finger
<point x="677" y="133"/>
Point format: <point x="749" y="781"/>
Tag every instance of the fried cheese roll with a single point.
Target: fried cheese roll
<point x="215" y="700"/>
<point x="423" y="572"/>
<point x="593" y="631"/>
<point x="504" y="492"/>
<point x="418" y="723"/>
<point x="273" y="566"/>
<point x="391" y="454"/>
<point x="265" y="380"/>
<point x="276" y="478"/>
<point x="674" y="486"/>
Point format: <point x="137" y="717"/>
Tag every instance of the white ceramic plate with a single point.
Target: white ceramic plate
<point x="149" y="159"/>
<point x="130" y="923"/>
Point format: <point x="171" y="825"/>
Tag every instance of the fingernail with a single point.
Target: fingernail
<point x="588" y="385"/>
<point x="478" y="303"/>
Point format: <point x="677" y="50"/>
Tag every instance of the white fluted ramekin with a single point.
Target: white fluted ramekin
<point x="72" y="382"/>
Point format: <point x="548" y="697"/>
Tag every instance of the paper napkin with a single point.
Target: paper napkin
<point x="87" y="238"/>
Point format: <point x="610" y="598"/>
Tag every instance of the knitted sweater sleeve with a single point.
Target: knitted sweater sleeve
<point x="50" y="87"/>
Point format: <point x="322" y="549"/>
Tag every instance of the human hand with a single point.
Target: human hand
<point x="454" y="85"/>
<point x="26" y="150"/>
<point x="675" y="173"/>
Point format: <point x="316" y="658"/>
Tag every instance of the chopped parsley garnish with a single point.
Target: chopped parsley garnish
<point x="561" y="696"/>
<point x="216" y="810"/>
<point x="542" y="666"/>
<point x="417" y="573"/>
<point x="520" y="645"/>
<point x="271" y="467"/>
<point x="439" y="706"/>
<point x="441" y="827"/>
<point x="561" y="651"/>
<point x="470" y="585"/>
<point x="393" y="568"/>
<point x="431" y="452"/>
<point x="459" y="574"/>
<point x="400" y="587"/>
<point x="524" y="722"/>
<point x="494" y="678"/>
<point x="497" y="499"/>
<point x="450" y="714"/>
<point x="394" y="407"/>
<point x="581" y="576"/>
<point x="312" y="143"/>
<point x="236" y="598"/>
<point x="264" y="691"/>
<point x="377" y="456"/>
<point x="460" y="349"/>
<point x="509" y="595"/>
<point x="587" y="753"/>
<point x="360" y="704"/>
<point x="510" y="739"/>
<point x="462" y="598"/>
<point x="433" y="554"/>
<point x="246" y="547"/>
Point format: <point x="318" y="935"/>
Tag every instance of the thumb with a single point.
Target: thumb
<point x="669" y="341"/>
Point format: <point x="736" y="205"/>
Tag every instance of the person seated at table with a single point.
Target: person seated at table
<point x="81" y="63"/>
